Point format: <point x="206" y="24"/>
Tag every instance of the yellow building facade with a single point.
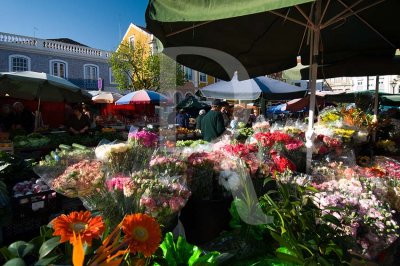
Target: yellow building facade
<point x="195" y="79"/>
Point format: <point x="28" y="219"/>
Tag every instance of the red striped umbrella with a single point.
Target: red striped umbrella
<point x="143" y="97"/>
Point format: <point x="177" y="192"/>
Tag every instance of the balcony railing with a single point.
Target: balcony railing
<point x="8" y="39"/>
<point x="90" y="84"/>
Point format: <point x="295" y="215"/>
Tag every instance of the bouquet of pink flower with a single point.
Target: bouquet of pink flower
<point x="144" y="137"/>
<point x="79" y="179"/>
<point x="169" y="165"/>
<point x="200" y="175"/>
<point x="160" y="196"/>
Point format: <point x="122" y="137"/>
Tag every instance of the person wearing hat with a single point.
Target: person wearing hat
<point x="202" y="113"/>
<point x="212" y="124"/>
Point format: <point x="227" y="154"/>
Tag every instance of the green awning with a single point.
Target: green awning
<point x="204" y="10"/>
<point x="390" y="100"/>
<point x="351" y="97"/>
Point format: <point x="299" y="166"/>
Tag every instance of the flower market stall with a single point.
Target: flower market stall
<point x="243" y="200"/>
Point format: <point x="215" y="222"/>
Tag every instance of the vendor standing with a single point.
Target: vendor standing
<point x="22" y="118"/>
<point x="212" y="124"/>
<point x="79" y="123"/>
<point x="6" y="118"/>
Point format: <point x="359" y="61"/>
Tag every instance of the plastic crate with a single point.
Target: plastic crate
<point x="28" y="205"/>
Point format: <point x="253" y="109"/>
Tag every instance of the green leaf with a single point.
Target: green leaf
<point x="184" y="250"/>
<point x="334" y="248"/>
<point x="332" y="219"/>
<point x="289" y="258"/>
<point x="284" y="250"/>
<point x="208" y="259"/>
<point x="282" y="242"/>
<point x="323" y="261"/>
<point x="168" y="249"/>
<point x="37" y="243"/>
<point x="196" y="252"/>
<point x="7" y="254"/>
<point x="47" y="261"/>
<point x="20" y="248"/>
<point x="313" y="189"/>
<point x="48" y="246"/>
<point x="15" y="262"/>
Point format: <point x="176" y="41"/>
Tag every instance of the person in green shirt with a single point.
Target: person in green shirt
<point x="212" y="124"/>
<point x="202" y="113"/>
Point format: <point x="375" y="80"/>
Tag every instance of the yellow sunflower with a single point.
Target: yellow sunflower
<point x="142" y="233"/>
<point x="81" y="223"/>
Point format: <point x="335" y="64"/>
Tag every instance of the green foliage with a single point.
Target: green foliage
<point x="183" y="253"/>
<point x="13" y="168"/>
<point x="190" y="143"/>
<point x="138" y="68"/>
<point x="135" y="68"/>
<point x="31" y="141"/>
<point x="248" y="232"/>
<point x="300" y="228"/>
<point x="43" y="249"/>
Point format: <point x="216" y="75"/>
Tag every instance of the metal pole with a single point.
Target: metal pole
<point x="376" y="101"/>
<point x="314" y="50"/>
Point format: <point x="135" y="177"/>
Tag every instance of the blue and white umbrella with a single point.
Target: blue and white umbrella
<point x="252" y="89"/>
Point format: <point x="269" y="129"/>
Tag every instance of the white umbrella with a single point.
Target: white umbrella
<point x="252" y="89"/>
<point x="106" y="97"/>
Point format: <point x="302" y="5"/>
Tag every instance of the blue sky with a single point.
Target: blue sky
<point x="97" y="23"/>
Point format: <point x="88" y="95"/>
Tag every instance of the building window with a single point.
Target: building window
<point x="91" y="75"/>
<point x="111" y="75"/>
<point x="188" y="73"/>
<point x="203" y="77"/>
<point x="132" y="42"/>
<point x="19" y="63"/>
<point x="59" y="68"/>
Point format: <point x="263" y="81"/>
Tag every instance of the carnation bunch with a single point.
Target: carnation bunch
<point x="79" y="179"/>
<point x="169" y="165"/>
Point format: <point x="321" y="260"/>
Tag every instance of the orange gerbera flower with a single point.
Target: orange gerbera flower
<point x="142" y="233"/>
<point x="81" y="223"/>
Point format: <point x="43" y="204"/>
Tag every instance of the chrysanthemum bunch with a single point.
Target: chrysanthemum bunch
<point x="360" y="213"/>
<point x="118" y="157"/>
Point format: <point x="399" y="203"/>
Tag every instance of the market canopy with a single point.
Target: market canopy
<point x="353" y="96"/>
<point x="369" y="65"/>
<point x="390" y="100"/>
<point x="30" y="85"/>
<point x="106" y="97"/>
<point x="277" y="109"/>
<point x="270" y="40"/>
<point x="252" y="89"/>
<point x="267" y="36"/>
<point x="142" y="97"/>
